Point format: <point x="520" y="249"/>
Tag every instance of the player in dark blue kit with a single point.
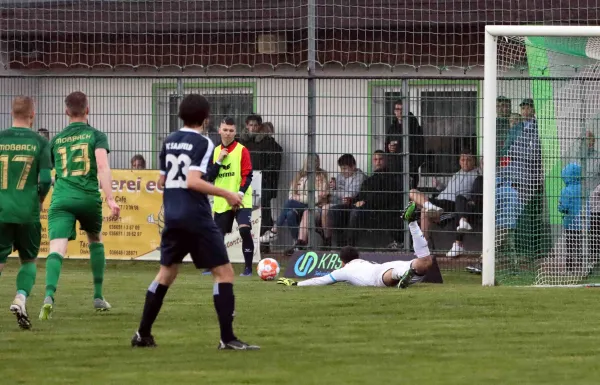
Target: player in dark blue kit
<point x="189" y="225"/>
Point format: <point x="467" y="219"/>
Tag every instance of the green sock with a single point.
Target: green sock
<point x="53" y="266"/>
<point x="26" y="278"/>
<point x="98" y="263"/>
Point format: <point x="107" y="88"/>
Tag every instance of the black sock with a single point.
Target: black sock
<point x="225" y="306"/>
<point x="154" y="300"/>
<point x="247" y="246"/>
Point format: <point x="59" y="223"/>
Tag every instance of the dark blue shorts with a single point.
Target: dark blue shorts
<point x="225" y="220"/>
<point x="205" y="246"/>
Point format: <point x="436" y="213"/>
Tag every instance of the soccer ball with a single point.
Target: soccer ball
<point x="267" y="269"/>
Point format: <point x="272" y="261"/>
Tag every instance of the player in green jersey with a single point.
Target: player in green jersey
<point x="24" y="182"/>
<point x="80" y="156"/>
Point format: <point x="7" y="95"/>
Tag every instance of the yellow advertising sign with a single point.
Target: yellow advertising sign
<point x="136" y="233"/>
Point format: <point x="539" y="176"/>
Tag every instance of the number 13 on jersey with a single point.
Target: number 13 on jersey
<point x="79" y="164"/>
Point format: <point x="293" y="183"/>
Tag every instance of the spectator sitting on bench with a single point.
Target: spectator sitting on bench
<point x="344" y="190"/>
<point x="377" y="196"/>
<point x="297" y="202"/>
<point x="460" y="184"/>
<point x="467" y="209"/>
<point x="334" y="211"/>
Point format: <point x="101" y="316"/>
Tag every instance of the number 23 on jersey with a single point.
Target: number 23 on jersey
<point x="177" y="170"/>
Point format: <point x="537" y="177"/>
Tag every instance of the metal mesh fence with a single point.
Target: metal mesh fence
<point x="420" y="126"/>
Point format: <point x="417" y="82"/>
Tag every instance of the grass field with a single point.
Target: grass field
<point x="455" y="333"/>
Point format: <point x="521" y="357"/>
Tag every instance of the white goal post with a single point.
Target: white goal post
<point x="490" y="93"/>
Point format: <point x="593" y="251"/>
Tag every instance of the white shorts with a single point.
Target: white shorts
<point x="401" y="266"/>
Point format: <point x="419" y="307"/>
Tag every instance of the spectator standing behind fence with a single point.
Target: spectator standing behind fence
<point x="138" y="162"/>
<point x="589" y="156"/>
<point x="211" y="131"/>
<point x="508" y="209"/>
<point x="297" y="202"/>
<point x="46" y="134"/>
<point x="514" y="120"/>
<point x="266" y="154"/>
<point x="569" y="205"/>
<point x="521" y="163"/>
<point x="416" y="144"/>
<point x="503" y="119"/>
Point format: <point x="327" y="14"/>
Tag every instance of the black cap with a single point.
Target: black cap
<point x="526" y="102"/>
<point x="502" y="99"/>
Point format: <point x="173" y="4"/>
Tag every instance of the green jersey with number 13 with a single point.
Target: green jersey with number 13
<point x="74" y="158"/>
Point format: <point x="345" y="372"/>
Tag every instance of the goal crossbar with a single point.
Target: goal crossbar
<point x="492" y="32"/>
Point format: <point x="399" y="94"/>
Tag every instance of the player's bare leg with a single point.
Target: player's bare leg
<point x="58" y="249"/>
<point x="224" y="301"/>
<point x="154" y="299"/>
<point x="98" y="264"/>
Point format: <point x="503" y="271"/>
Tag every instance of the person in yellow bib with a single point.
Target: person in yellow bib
<point x="231" y="169"/>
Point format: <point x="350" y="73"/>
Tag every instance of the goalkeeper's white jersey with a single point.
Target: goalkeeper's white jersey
<point x="358" y="273"/>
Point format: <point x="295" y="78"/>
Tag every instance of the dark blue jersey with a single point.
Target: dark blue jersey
<point x="184" y="151"/>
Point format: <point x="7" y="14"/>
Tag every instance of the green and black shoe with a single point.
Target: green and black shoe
<point x="410" y="212"/>
<point x="406" y="279"/>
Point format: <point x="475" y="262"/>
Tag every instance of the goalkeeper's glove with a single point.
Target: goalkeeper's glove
<point x="287" y="282"/>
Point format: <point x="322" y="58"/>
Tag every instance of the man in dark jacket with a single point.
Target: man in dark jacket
<point x="377" y="196"/>
<point x="416" y="144"/>
<point x="265" y="154"/>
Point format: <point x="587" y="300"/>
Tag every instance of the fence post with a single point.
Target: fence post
<point x="180" y="88"/>
<point x="312" y="121"/>
<point x="406" y="152"/>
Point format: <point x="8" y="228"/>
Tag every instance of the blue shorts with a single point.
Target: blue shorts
<point x="225" y="220"/>
<point x="205" y="246"/>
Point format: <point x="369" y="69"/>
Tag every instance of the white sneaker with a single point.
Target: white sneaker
<point x="456" y="251"/>
<point x="432" y="210"/>
<point x="463" y="226"/>
<point x="100" y="304"/>
<point x="19" y="310"/>
<point x="268" y="237"/>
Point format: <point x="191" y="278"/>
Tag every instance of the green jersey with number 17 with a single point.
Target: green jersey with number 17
<point x="23" y="153"/>
<point x="74" y="158"/>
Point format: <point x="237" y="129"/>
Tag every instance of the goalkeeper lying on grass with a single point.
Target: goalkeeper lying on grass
<point x="359" y="272"/>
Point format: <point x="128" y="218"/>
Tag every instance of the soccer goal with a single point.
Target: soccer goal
<point x="541" y="221"/>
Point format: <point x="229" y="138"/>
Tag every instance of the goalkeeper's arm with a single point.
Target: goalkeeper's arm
<point x="329" y="279"/>
<point x="319" y="281"/>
